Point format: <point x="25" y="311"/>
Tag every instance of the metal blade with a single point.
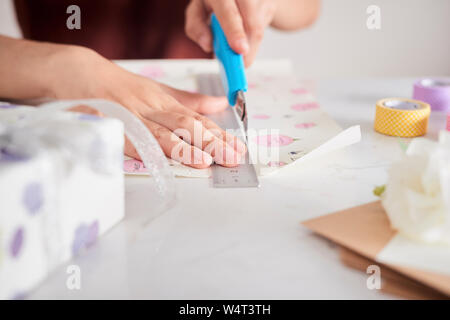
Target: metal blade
<point x="241" y="109"/>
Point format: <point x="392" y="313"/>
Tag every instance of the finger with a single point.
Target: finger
<point x="193" y="132"/>
<point x="191" y="104"/>
<point x="177" y="149"/>
<point x="196" y="26"/>
<point x="171" y="144"/>
<point x="225" y="136"/>
<point x="231" y="22"/>
<point x="197" y="102"/>
<point x="87" y="110"/>
<point x="130" y="150"/>
<point x="254" y="22"/>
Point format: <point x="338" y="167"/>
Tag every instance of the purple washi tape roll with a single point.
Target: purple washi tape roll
<point x="435" y="92"/>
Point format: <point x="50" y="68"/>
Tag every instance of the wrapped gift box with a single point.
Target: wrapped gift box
<point x="61" y="186"/>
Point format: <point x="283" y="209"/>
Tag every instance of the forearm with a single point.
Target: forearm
<point x="27" y="68"/>
<point x="295" y="14"/>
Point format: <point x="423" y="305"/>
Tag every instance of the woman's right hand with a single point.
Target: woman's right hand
<point x="173" y="116"/>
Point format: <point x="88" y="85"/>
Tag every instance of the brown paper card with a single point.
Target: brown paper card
<point x="366" y="231"/>
<point x="392" y="281"/>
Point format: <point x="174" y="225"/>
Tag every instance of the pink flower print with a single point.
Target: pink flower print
<point x="152" y="71"/>
<point x="274" y="140"/>
<point x="299" y="91"/>
<point x="276" y="164"/>
<point x="305" y="106"/>
<point x="252" y="85"/>
<point x="261" y="116"/>
<point x="133" y="165"/>
<point x="305" y="125"/>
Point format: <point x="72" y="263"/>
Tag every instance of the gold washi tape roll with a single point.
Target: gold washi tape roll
<point x="402" y="117"/>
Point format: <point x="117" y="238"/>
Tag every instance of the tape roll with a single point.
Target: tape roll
<point x="435" y="92"/>
<point x="402" y="117"/>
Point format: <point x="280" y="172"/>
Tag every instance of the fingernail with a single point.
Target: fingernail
<point x="240" y="146"/>
<point x="201" y="157"/>
<point x="242" y="44"/>
<point x="207" y="159"/>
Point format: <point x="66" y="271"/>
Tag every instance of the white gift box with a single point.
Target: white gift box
<point x="61" y="186"/>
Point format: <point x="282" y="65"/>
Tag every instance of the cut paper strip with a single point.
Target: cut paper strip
<point x="278" y="105"/>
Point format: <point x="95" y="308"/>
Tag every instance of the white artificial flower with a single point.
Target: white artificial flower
<point x="417" y="195"/>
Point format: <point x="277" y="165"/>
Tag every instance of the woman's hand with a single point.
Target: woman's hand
<point x="173" y="116"/>
<point x="244" y="21"/>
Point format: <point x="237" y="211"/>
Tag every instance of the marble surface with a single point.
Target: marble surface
<point x="247" y="243"/>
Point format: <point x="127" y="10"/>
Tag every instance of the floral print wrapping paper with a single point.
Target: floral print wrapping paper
<point x="53" y="206"/>
<point x="282" y="115"/>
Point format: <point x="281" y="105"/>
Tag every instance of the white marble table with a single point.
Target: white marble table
<point x="247" y="244"/>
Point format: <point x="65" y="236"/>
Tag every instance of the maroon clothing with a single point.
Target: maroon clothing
<point x="117" y="29"/>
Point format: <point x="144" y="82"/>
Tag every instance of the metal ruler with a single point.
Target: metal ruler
<point x="243" y="176"/>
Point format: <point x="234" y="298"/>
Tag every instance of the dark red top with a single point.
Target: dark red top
<point x="117" y="29"/>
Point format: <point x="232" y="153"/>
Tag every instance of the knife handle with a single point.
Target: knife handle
<point x="232" y="68"/>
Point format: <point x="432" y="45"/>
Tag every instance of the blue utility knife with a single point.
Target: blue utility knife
<point x="232" y="71"/>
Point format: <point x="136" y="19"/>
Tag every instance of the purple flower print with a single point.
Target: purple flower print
<point x="92" y="233"/>
<point x="89" y="117"/>
<point x="7" y="106"/>
<point x="33" y="197"/>
<point x="9" y="156"/>
<point x="85" y="236"/>
<point x="17" y="242"/>
<point x="19" y="296"/>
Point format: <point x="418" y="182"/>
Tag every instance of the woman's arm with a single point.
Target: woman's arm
<point x="30" y="70"/>
<point x="25" y="67"/>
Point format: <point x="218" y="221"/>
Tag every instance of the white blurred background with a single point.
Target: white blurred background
<point x="414" y="40"/>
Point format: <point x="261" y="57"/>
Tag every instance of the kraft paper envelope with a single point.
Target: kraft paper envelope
<point x="366" y="231"/>
<point x="392" y="281"/>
